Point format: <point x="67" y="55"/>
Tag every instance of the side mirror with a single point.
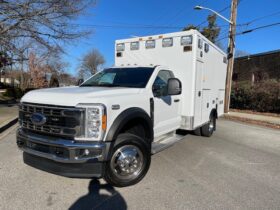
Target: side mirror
<point x="80" y="81"/>
<point x="174" y="86"/>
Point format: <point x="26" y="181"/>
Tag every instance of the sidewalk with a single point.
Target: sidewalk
<point x="255" y="118"/>
<point x="8" y="116"/>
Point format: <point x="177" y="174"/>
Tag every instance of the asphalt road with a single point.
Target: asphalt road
<point x="237" y="168"/>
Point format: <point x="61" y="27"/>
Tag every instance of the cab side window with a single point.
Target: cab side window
<point x="160" y="84"/>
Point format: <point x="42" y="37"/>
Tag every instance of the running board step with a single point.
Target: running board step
<point x="165" y="143"/>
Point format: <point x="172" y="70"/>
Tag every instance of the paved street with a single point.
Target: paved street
<point x="237" y="168"/>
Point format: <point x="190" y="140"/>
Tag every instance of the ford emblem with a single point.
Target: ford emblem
<point x="38" y="119"/>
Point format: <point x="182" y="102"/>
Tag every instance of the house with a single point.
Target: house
<point x="10" y="82"/>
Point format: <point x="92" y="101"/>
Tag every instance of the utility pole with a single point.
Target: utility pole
<point x="231" y="50"/>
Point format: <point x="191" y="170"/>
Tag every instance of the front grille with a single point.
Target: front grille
<point x="60" y="121"/>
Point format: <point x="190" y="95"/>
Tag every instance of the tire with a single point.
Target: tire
<point x="208" y="129"/>
<point x="197" y="131"/>
<point x="129" y="161"/>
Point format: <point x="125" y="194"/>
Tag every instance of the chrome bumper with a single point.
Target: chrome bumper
<point x="62" y="150"/>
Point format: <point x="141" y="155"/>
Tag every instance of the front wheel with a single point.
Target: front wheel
<point x="129" y="162"/>
<point x="208" y="129"/>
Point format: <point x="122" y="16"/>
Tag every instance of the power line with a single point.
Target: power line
<point x="259" y="18"/>
<point x="260" y="27"/>
<point x="133" y="26"/>
<point x="181" y="11"/>
<point x="254" y="20"/>
<point x="251" y="30"/>
<point x="175" y="17"/>
<point x="169" y="26"/>
<point x="158" y="18"/>
<point x="127" y="26"/>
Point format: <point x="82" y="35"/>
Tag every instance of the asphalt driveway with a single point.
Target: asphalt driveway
<point x="237" y="168"/>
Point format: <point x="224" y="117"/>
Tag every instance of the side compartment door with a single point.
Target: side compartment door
<point x="198" y="94"/>
<point x="166" y="107"/>
<point x="206" y="105"/>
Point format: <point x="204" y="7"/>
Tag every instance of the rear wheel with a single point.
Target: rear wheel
<point x="129" y="162"/>
<point x="197" y="131"/>
<point x="208" y="129"/>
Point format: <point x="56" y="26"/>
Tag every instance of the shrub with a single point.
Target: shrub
<point x="14" y="93"/>
<point x="261" y="97"/>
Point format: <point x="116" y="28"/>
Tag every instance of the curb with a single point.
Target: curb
<point x="8" y="124"/>
<point x="253" y="122"/>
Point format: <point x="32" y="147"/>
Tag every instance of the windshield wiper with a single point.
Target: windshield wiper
<point x="100" y="85"/>
<point x="108" y="85"/>
<point x="87" y="85"/>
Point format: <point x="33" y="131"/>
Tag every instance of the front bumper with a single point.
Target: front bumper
<point x="63" y="157"/>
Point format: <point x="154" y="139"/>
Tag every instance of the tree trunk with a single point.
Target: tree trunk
<point x="21" y="75"/>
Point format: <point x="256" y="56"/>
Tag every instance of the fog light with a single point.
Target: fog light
<point x="87" y="153"/>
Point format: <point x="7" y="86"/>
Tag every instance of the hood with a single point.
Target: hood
<point x="71" y="96"/>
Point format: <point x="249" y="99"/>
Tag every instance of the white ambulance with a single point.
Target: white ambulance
<point x="111" y="124"/>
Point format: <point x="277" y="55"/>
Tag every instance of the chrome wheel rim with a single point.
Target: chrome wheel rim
<point x="127" y="162"/>
<point x="211" y="125"/>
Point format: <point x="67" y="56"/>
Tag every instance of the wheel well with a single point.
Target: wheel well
<point x="214" y="113"/>
<point x="131" y="118"/>
<point x="139" y="127"/>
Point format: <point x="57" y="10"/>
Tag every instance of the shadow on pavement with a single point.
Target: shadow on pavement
<point x="95" y="199"/>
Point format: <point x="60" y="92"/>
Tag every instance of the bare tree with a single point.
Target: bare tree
<point x="37" y="72"/>
<point x="40" y="67"/>
<point x="91" y="63"/>
<point x="46" y="23"/>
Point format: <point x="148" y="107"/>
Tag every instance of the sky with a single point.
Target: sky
<point x="118" y="19"/>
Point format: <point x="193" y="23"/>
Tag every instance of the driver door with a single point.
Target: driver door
<point x="166" y="107"/>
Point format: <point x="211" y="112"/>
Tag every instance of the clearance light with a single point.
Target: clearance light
<point x="186" y="40"/>
<point x="120" y="47"/>
<point x="150" y="44"/>
<point x="134" y="46"/>
<point x="167" y="42"/>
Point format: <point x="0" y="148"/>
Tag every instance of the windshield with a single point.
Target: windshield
<point x="137" y="77"/>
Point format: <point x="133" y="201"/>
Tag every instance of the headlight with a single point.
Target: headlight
<point x="95" y="122"/>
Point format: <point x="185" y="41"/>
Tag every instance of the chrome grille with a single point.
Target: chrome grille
<point x="60" y="121"/>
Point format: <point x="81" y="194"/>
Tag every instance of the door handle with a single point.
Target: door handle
<point x="176" y="100"/>
<point x="199" y="93"/>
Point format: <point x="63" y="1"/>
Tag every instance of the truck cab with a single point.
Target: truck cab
<point x="111" y="124"/>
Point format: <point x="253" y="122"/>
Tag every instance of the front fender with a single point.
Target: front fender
<point x="125" y="117"/>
